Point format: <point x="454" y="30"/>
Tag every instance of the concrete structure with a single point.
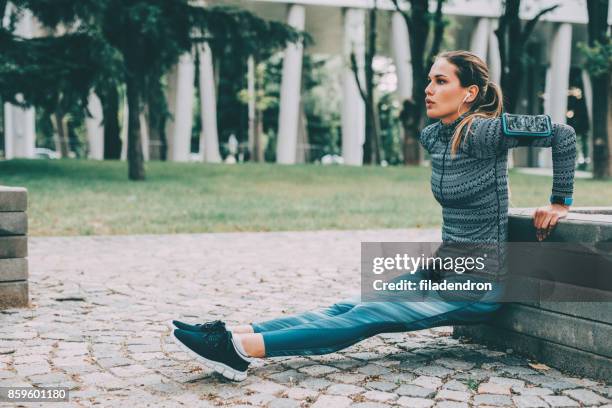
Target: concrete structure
<point x="557" y="83"/>
<point x="401" y="56"/>
<point x="19" y="123"/>
<point x="353" y="106"/>
<point x="573" y="336"/>
<point x="95" y="128"/>
<point x="337" y="27"/>
<point x="180" y="97"/>
<point x="13" y="247"/>
<point x="288" y="120"/>
<point x="209" y="139"/>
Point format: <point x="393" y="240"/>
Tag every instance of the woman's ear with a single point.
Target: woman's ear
<point x="472" y="93"/>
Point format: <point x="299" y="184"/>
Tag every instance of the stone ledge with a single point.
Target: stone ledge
<point x="596" y="311"/>
<point x="13" y="247"/>
<point x="13" y="294"/>
<point x="13" y="199"/>
<point x="13" y="269"/>
<point x="559" y="356"/>
<point x="576" y="227"/>
<point x="586" y="335"/>
<point x="572" y="336"/>
<point x="13" y="223"/>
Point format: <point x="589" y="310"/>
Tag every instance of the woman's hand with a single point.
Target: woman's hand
<point x="545" y="219"/>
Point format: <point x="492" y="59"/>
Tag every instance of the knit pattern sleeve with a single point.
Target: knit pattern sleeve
<point x="486" y="139"/>
<point x="427" y="137"/>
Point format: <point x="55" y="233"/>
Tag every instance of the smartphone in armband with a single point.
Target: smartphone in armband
<point x="526" y="125"/>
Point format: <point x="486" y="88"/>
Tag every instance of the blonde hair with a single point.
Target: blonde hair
<point x="471" y="70"/>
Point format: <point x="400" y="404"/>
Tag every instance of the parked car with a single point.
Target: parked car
<point x="44" y="153"/>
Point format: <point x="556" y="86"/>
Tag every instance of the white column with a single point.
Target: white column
<point x="209" y="138"/>
<point x="480" y="38"/>
<point x="289" y="109"/>
<point x="144" y="136"/>
<point x="493" y="59"/>
<point x="124" y="128"/>
<point x="353" y="107"/>
<point x="180" y="105"/>
<point x="588" y="99"/>
<point x="557" y="83"/>
<point x="20" y="132"/>
<point x="588" y="94"/>
<point x="401" y="56"/>
<point x="252" y="96"/>
<point x="20" y="137"/>
<point x="95" y="128"/>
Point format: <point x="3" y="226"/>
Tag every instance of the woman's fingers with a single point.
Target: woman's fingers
<point x="544" y="221"/>
<point x="539" y="218"/>
<point x="553" y="221"/>
<point x="549" y="224"/>
<point x="536" y="218"/>
<point x="536" y="223"/>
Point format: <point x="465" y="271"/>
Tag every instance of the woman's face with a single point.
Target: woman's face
<point x="444" y="96"/>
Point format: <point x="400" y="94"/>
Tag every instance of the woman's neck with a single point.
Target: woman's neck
<point x="447" y="120"/>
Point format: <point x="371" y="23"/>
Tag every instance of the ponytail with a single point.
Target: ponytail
<point x="490" y="106"/>
<point x="471" y="70"/>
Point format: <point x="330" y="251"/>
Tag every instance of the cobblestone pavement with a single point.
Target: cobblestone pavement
<point x="100" y="307"/>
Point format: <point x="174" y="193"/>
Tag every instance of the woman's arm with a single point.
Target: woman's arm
<point x="490" y="138"/>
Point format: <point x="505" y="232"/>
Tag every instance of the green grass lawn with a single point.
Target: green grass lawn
<point x="79" y="197"/>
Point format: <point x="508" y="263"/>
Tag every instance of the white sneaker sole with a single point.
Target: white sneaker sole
<point x="223" y="369"/>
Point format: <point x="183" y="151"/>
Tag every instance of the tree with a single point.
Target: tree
<point x="419" y="22"/>
<point x="149" y="36"/>
<point x="109" y="99"/>
<point x="512" y="37"/>
<point x="371" y="145"/>
<point x="263" y="100"/>
<point x="599" y="64"/>
<point x="50" y="71"/>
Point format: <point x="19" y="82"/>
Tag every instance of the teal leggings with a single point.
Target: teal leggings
<point x="347" y="322"/>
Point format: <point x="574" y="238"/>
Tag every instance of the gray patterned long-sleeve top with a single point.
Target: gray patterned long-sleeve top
<point x="472" y="186"/>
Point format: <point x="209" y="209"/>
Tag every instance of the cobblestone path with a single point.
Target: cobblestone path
<point x="101" y="305"/>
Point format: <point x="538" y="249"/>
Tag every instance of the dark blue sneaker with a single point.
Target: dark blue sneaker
<point x="216" y="350"/>
<point x="214" y="326"/>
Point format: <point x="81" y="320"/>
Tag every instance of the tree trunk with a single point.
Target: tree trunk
<point x="609" y="158"/>
<point x="509" y="39"/>
<point x="61" y="128"/>
<point x="418" y="22"/>
<point x="601" y="152"/>
<point x="258" y="153"/>
<point x="134" y="152"/>
<point x="598" y="35"/>
<point x="411" y="150"/>
<point x="109" y="97"/>
<point x="412" y="153"/>
<point x="376" y="134"/>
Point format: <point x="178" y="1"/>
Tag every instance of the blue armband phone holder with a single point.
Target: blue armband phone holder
<point x="526" y="125"/>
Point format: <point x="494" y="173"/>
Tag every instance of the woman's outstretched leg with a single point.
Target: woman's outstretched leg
<point x="336" y="309"/>
<point x="331" y="334"/>
<point x="230" y="354"/>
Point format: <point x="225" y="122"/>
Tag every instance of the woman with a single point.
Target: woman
<point x="468" y="146"/>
